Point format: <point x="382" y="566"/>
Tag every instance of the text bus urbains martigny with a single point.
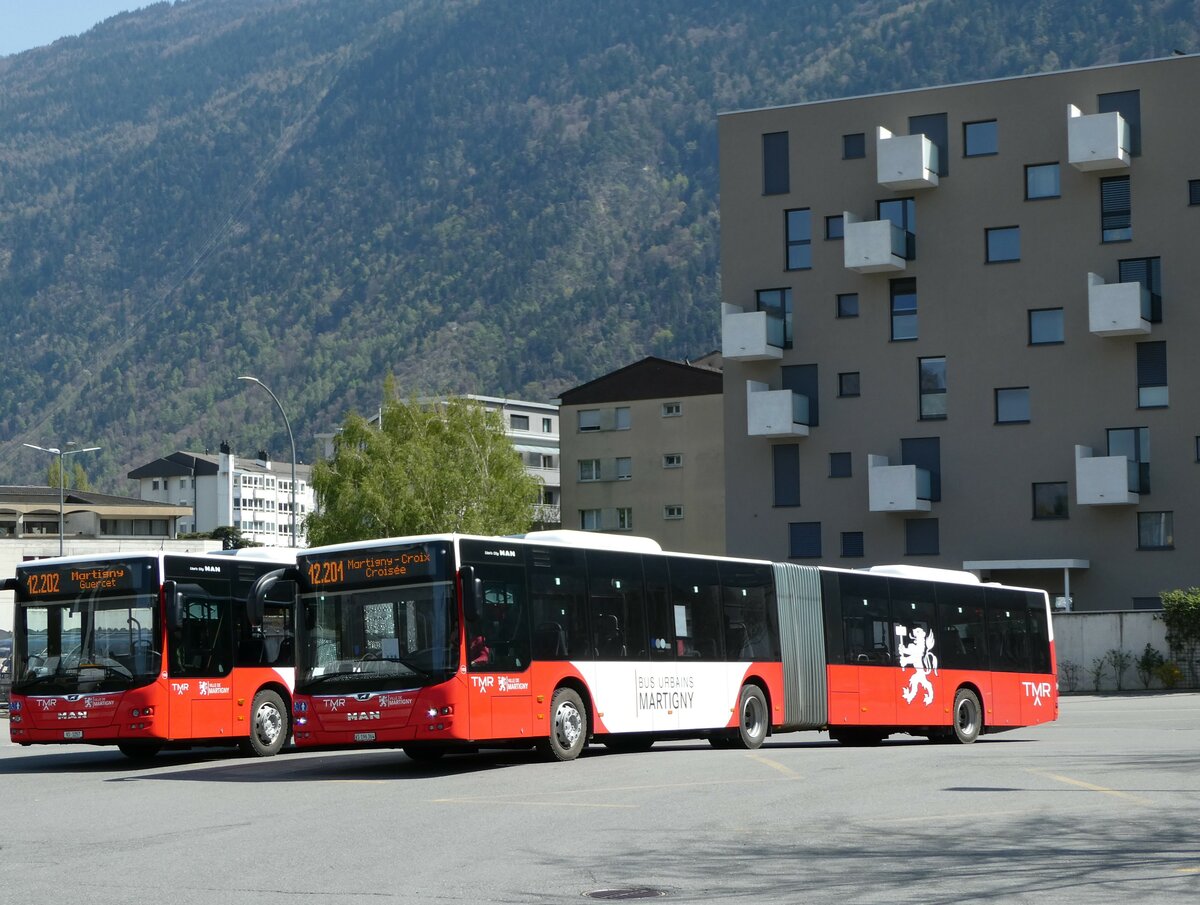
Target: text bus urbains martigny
<point x="142" y="650"/>
<point x="453" y="642"/>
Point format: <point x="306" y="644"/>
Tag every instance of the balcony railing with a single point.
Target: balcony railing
<point x="1099" y="141"/>
<point x="873" y="246"/>
<point x="1106" y="480"/>
<point x="751" y="335"/>
<point x="1118" y="309"/>
<point x="905" y="161"/>
<point x="897" y="488"/>
<point x="775" y="413"/>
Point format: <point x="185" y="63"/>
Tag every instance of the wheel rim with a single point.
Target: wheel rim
<point x="752" y="716"/>
<point x="966" y="717"/>
<point x="268" y="723"/>
<point x="568" y="725"/>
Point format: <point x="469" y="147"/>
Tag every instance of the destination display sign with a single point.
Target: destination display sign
<point x="81" y="578"/>
<point x="383" y="565"/>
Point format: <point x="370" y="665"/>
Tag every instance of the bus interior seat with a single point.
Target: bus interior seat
<point x="549" y="641"/>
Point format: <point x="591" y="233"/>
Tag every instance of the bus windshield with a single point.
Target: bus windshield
<point x="378" y="638"/>
<point x="89" y="644"/>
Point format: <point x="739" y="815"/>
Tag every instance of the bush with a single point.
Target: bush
<point x="1120" y="661"/>
<point x="1169" y="673"/>
<point x="1099" y="665"/>
<point x="1068" y="674"/>
<point x="1147" y="663"/>
<point x="1181" y="616"/>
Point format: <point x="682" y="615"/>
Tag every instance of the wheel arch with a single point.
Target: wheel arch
<point x="578" y="686"/>
<point x="285" y="695"/>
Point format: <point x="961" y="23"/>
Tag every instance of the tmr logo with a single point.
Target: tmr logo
<point x="181" y="687"/>
<point x="483" y="684"/>
<point x="1037" y="691"/>
<point x="47" y="703"/>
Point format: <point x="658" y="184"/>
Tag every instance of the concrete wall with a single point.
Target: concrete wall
<point x="1082" y="638"/>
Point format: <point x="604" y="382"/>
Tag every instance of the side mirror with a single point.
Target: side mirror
<point x="173" y="604"/>
<point x="279" y="585"/>
<point x="9" y="584"/>
<point x="472" y="592"/>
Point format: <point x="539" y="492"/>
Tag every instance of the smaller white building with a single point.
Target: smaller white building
<point x="253" y="495"/>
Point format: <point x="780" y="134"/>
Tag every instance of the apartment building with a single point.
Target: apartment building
<point x="253" y="495"/>
<point x="642" y="453"/>
<point x="958" y="327"/>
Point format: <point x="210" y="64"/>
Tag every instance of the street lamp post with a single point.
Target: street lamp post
<point x="291" y="439"/>
<point x="62" y="480"/>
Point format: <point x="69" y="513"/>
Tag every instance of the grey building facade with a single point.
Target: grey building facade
<point x="958" y="327"/>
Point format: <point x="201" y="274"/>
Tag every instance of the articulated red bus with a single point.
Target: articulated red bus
<point x="443" y="643"/>
<point x="142" y="650"/>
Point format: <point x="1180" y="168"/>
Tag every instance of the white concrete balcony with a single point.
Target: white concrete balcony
<point x="897" y="488"/>
<point x="905" y="162"/>
<point x="775" y="413"/>
<point x="1099" y="141"/>
<point x="750" y="335"/>
<point x="1104" y="480"/>
<point x="1117" y="309"/>
<point x="873" y="246"/>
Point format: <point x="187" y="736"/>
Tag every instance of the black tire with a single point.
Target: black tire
<point x="753" y="718"/>
<point x="629" y="744"/>
<point x="568" y="726"/>
<point x="270" y="725"/>
<point x="968" y="716"/>
<point x="139" y="750"/>
<point x="424" y="755"/>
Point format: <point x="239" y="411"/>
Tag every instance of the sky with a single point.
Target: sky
<point x="34" y="23"/>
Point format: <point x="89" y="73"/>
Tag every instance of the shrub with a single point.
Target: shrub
<point x="1120" y="661"/>
<point x="1068" y="673"/>
<point x="1099" y="666"/>
<point x="1181" y="616"/>
<point x="1169" y="673"/>
<point x="1147" y="663"/>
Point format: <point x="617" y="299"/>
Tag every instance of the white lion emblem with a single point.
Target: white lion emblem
<point x="919" y="655"/>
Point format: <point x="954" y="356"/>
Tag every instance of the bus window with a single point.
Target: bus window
<point x="1039" y="635"/>
<point x="1008" y="630"/>
<point x="616" y="596"/>
<point x="695" y="597"/>
<point x="558" y="604"/>
<point x="913" y="618"/>
<point x="202" y="642"/>
<point x="961" y="639"/>
<point x="866" y="626"/>
<point x="498" y="639"/>
<point x="660" y="617"/>
<point x="748" y="608"/>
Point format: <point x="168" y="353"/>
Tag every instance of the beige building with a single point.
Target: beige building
<point x="642" y="453"/>
<point x="958" y="330"/>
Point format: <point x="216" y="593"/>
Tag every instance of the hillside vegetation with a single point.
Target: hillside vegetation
<point x="489" y="196"/>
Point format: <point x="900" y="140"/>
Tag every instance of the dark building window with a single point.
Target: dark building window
<point x="934" y="127"/>
<point x="852" y="544"/>
<point x="1116" y="217"/>
<point x="1129" y="105"/>
<point x="925" y="453"/>
<point x="854" y="146"/>
<point x="1152" y="375"/>
<point x="839" y="463"/>
<point x="799" y="239"/>
<point x="778" y="305"/>
<point x="1156" y="530"/>
<point x="786" y="462"/>
<point x="1134" y="444"/>
<point x="1045" y="326"/>
<point x="804" y="540"/>
<point x="1148" y="272"/>
<point x="904" y="308"/>
<point x="980" y="139"/>
<point x="1147" y="603"/>
<point x="921" y="537"/>
<point x="1012" y="405"/>
<point x="775" y="163"/>
<point x="931" y="381"/>
<point x="848" y="384"/>
<point x="835" y="227"/>
<point x="1194" y="191"/>
<point x="1041" y="181"/>
<point x="902" y="212"/>
<point x="802" y="379"/>
<point x="1050" y="500"/>
<point x="847" y="304"/>
<point x="1003" y="244"/>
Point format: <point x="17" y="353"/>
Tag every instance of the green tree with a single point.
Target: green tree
<point x="1181" y="615"/>
<point x="427" y="469"/>
<point x="76" y="476"/>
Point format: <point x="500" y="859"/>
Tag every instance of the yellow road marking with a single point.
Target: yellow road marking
<point x="537" y="804"/>
<point x="774" y="765"/>
<point x="1091" y="787"/>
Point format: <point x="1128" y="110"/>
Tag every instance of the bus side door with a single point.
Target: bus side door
<point x="200" y="660"/>
<point x="498" y="656"/>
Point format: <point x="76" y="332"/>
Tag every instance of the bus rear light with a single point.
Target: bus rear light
<point x="436" y="727"/>
<point x="439" y="711"/>
<point x="301" y="721"/>
<point x="15" y="719"/>
<point x="145" y="711"/>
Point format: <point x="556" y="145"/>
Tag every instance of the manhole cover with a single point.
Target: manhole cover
<point x="633" y="892"/>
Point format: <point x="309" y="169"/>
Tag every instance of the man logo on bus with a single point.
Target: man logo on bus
<point x="919" y="655"/>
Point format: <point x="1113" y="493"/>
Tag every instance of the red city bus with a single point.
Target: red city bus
<point x="143" y="650"/>
<point x="450" y="642"/>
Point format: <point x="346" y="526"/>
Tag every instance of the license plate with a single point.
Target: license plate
<point x="364" y="736"/>
<point x="73" y="733"/>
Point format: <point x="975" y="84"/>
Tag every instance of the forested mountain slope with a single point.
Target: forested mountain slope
<point x="490" y="196"/>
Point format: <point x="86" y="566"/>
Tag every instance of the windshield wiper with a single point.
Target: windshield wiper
<point x="407" y="665"/>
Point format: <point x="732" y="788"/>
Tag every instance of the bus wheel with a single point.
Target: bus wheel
<point x="568" y="726"/>
<point x="268" y="725"/>
<point x="139" y="750"/>
<point x="968" y="716"/>
<point x="753" y="722"/>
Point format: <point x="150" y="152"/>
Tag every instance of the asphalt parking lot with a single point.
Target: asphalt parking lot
<point x="1102" y="806"/>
